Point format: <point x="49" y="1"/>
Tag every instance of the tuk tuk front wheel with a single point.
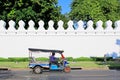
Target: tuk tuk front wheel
<point x="37" y="70"/>
<point x="67" y="69"/>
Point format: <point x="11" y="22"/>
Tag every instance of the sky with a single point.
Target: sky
<point x="65" y="5"/>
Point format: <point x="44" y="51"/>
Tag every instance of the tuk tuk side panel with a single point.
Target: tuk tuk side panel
<point x="32" y="65"/>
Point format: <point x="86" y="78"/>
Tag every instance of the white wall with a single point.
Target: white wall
<point x="75" y="43"/>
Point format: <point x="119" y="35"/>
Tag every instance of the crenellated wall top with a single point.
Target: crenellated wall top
<point x="82" y="28"/>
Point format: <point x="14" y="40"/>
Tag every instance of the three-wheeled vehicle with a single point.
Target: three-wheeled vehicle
<point x="39" y="67"/>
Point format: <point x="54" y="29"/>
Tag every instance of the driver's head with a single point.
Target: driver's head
<point x="53" y="54"/>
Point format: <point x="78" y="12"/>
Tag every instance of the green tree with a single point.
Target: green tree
<point x="95" y="10"/>
<point x="30" y="9"/>
<point x="65" y="18"/>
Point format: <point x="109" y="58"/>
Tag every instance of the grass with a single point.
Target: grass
<point x="88" y="65"/>
<point x="14" y="64"/>
<point x="81" y="64"/>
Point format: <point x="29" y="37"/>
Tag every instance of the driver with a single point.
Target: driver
<point x="53" y="59"/>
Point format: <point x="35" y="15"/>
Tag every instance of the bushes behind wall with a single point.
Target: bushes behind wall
<point x="26" y="59"/>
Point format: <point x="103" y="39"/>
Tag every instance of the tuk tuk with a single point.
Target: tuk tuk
<point x="39" y="67"/>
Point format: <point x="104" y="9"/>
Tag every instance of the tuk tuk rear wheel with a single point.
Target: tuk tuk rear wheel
<point x="67" y="69"/>
<point x="37" y="70"/>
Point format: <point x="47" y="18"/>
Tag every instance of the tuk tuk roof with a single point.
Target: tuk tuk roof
<point x="45" y="50"/>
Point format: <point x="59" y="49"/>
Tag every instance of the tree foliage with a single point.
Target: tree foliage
<point x="29" y="9"/>
<point x="95" y="10"/>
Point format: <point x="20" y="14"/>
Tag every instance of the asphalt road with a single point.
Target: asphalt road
<point x="74" y="75"/>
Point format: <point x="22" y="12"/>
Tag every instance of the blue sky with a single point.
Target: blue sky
<point x="65" y="5"/>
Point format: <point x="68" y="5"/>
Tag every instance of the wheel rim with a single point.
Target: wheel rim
<point x="67" y="69"/>
<point x="37" y="70"/>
